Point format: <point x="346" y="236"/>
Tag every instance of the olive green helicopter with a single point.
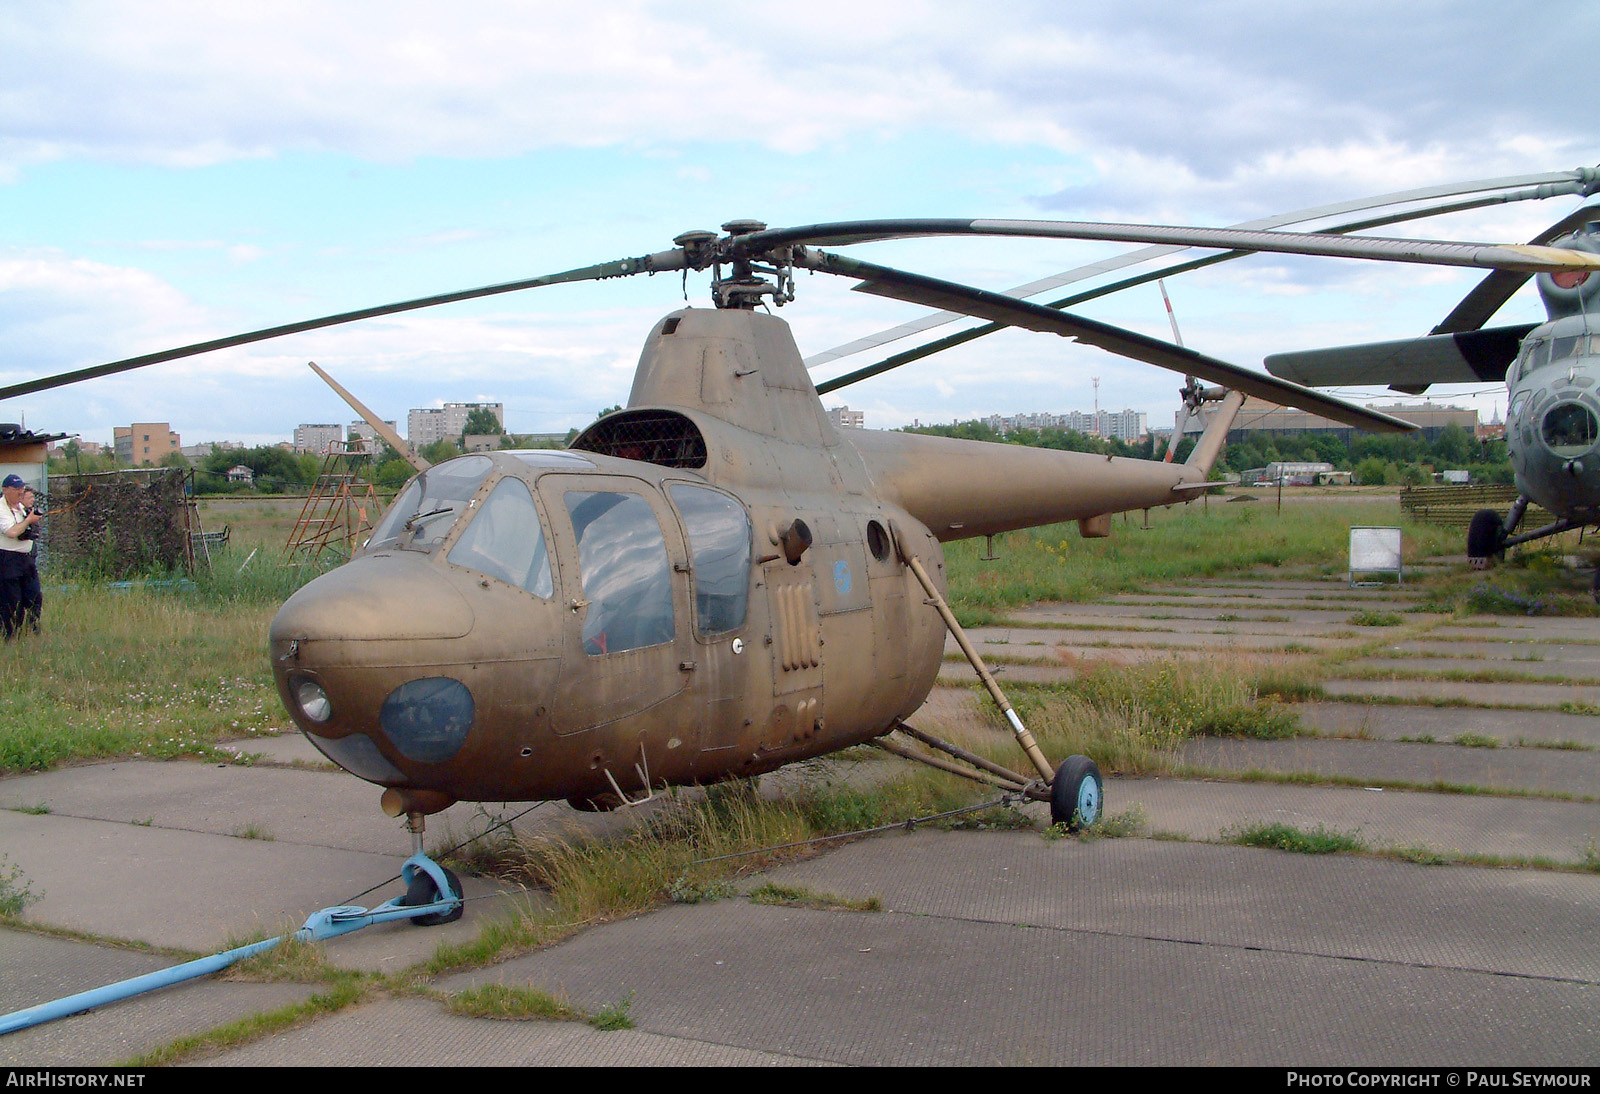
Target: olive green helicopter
<point x="714" y="581"/>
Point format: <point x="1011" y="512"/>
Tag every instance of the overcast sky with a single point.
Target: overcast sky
<point x="173" y="171"/>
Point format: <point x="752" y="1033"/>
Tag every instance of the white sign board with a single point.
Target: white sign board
<point x="1375" y="551"/>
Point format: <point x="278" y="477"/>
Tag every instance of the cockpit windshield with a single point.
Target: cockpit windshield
<point x="505" y="540"/>
<point x="431" y="505"/>
<point x="1550" y="351"/>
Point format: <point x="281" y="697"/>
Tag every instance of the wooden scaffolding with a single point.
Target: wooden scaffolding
<point x="338" y="513"/>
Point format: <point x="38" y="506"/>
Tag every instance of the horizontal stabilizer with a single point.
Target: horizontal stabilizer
<point x="1410" y="364"/>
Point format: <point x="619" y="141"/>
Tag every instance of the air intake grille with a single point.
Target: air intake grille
<point x="651" y="436"/>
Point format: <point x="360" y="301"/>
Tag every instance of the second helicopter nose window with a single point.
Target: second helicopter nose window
<point x="1570" y="429"/>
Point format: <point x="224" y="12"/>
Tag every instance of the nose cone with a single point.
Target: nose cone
<point x="379" y="597"/>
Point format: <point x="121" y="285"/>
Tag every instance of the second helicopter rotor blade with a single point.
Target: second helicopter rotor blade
<point x="927" y="349"/>
<point x="950" y="296"/>
<point x="1490" y="294"/>
<point x="665" y="260"/>
<point x="1494" y="256"/>
<point x="1438" y="200"/>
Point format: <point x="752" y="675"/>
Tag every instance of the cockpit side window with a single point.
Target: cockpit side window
<point x="505" y="540"/>
<point x="1537" y="355"/>
<point x="627" y="577"/>
<point x="719" y="550"/>
<point x="1568" y="346"/>
<point x="430" y="506"/>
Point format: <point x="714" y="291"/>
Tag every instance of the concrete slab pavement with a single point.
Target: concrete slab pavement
<point x="1443" y="723"/>
<point x="1016" y="950"/>
<point x="997" y="947"/>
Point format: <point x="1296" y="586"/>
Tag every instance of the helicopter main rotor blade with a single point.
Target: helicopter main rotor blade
<point x="950" y="296"/>
<point x="1492" y="256"/>
<point x="938" y="345"/>
<point x="949" y="341"/>
<point x="665" y="260"/>
<point x="1490" y="294"/>
<point x="1496" y="191"/>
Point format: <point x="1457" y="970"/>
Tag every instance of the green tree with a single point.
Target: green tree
<point x="276" y="470"/>
<point x="1372" y="471"/>
<point x="392" y="473"/>
<point x="481" y="422"/>
<point x="441" y="450"/>
<point x="1454" y="448"/>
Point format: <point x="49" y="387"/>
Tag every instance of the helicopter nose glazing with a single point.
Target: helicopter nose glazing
<point x="428" y="719"/>
<point x="1569" y="430"/>
<point x="362" y="669"/>
<point x="427" y="664"/>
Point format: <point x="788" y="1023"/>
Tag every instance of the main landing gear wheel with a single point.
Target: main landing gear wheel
<point x="422" y="890"/>
<point x="1077" y="795"/>
<point x="1486" y="538"/>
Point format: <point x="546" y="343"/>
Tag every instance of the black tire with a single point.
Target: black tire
<point x="1077" y="795"/>
<point x="1486" y="538"/>
<point x="422" y="890"/>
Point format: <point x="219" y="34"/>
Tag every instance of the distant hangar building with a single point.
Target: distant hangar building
<point x="1257" y="417"/>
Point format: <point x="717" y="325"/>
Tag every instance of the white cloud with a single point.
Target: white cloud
<point x="1221" y="91"/>
<point x="1133" y="110"/>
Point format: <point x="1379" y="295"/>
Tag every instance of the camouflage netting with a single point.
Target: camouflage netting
<point x="120" y="523"/>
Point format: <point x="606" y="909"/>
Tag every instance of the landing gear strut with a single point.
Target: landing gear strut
<point x="1075" y="790"/>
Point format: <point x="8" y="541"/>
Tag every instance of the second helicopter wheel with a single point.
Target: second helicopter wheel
<point x="1486" y="537"/>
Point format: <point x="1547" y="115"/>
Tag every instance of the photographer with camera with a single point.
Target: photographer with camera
<point x="21" y="599"/>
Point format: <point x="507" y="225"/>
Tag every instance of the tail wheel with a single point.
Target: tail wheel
<point x="1077" y="794"/>
<point x="1486" y="539"/>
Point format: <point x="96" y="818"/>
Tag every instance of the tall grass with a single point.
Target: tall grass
<point x="697" y="840"/>
<point x="1133" y="719"/>
<point x="151" y="670"/>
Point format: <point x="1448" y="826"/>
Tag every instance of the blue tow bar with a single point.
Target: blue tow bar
<point x="328" y="923"/>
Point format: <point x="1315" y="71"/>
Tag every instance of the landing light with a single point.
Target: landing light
<point x="313" y="701"/>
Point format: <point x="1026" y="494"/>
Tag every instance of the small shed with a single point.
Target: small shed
<point x="24" y="453"/>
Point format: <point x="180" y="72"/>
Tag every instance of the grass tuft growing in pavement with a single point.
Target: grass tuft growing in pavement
<point x="799" y="896"/>
<point x="16" y="891"/>
<point x="1132" y="719"/>
<point x="1286" y="837"/>
<point x="506" y="1001"/>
